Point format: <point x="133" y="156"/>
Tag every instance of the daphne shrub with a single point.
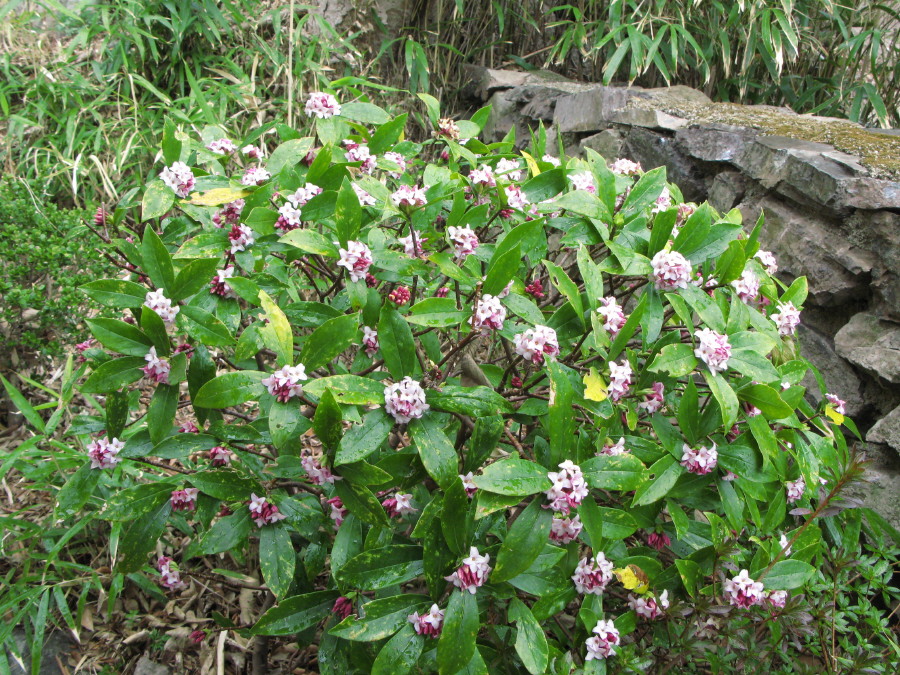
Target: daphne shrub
<point x="465" y="408"/>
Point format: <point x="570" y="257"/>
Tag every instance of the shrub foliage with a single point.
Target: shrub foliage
<point x="470" y="408"/>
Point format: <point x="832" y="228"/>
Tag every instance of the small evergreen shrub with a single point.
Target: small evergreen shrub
<point x="463" y="408"/>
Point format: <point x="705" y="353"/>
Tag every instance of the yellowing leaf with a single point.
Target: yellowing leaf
<point x="218" y="196"/>
<point x="633" y="578"/>
<point x="594" y="386"/>
<point x="532" y="165"/>
<point x="834" y="415"/>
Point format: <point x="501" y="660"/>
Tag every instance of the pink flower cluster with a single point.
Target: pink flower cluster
<point x="263" y="512"/>
<point x="569" y="487"/>
<point x="619" y="379"/>
<point x="221" y="146"/>
<point x="285" y="382"/>
<point x="318" y="474"/>
<point x="409" y="195"/>
<point x="397" y="159"/>
<point x="787" y="318"/>
<point x="405" y="400"/>
<point x="671" y="270"/>
<point x="472" y="573"/>
<point x="218" y="285"/>
<point x="356" y="259"/>
<point x="583" y="181"/>
<point x="515" y="197"/>
<point x="483" y="175"/>
<point x="613" y="315"/>
<point x="160" y="304"/>
<point x="747" y="287"/>
<point x="564" y="530"/>
<point x="625" y="167"/>
<point x="413" y="250"/>
<point x="229" y="214"/>
<point x="429" y="624"/>
<point x="742" y="591"/>
<point x="104" y="453"/>
<point x="357" y="152"/>
<point x="169" y="576"/>
<point x="700" y="460"/>
<point x="489" y="314"/>
<point x="241" y="238"/>
<point x="338" y="512"/>
<point x="603" y="644"/>
<point x="713" y="349"/>
<point x="795" y="489"/>
<point x="255" y="175"/>
<point x="464" y="240"/>
<point x="468" y="481"/>
<point x="370" y="341"/>
<point x="767" y="260"/>
<point x="220" y="456"/>
<point x="179" y="177"/>
<point x="322" y="105"/>
<point x="612" y="449"/>
<point x="593" y="574"/>
<point x="649" y="606"/>
<point x="658" y="540"/>
<point x="510" y="169"/>
<point x="654" y="401"/>
<point x="536" y="343"/>
<point x="398" y="505"/>
<point x="184" y="500"/>
<point x="365" y="199"/>
<point x="837" y="403"/>
<point x="157" y="369"/>
<point x="663" y="202"/>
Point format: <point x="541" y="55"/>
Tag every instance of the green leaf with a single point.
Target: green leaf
<point x="435" y="450"/>
<point x="157" y="200"/>
<point x="677" y="360"/>
<point x="155" y="329"/>
<point x="296" y="614"/>
<point x="583" y="203"/>
<point x="116" y="413"/>
<point x="456" y="645"/>
<point x="194" y="277"/>
<point x="139" y="538"/>
<point x="360" y="501"/>
<point x="231" y="389"/>
<point x="616" y="523"/>
<point x="545" y="185"/>
<point x="77" y="490"/>
<point x="348" y="389"/>
<point x="287" y="425"/>
<point x="311" y="242"/>
<point x="28" y="412"/>
<point x="115" y="293"/>
<point x="787" y="575"/>
<point x="329" y="340"/>
<point x="171" y="146"/>
<point x="157" y="261"/>
<point x="161" y="412"/>
<point x="472" y="401"/>
<point x="113" y="375"/>
<point x="614" y="472"/>
<point x="225" y="484"/>
<point x="227" y="533"/>
<point x="524" y="542"/>
<point x="501" y="270"/>
<point x="327" y="421"/>
<point x="767" y="400"/>
<point x="753" y="364"/>
<point x="690" y="574"/>
<point x="561" y="421"/>
<point x="134" y="502"/>
<point x="531" y="643"/>
<point x="119" y="336"/>
<point x="796" y="293"/>
<point x="514" y="477"/>
<point x="364" y="113"/>
<point x="665" y="473"/>
<point x="387" y="135"/>
<point x="288" y="154"/>
<point x="277" y="334"/>
<point x="382" y="618"/>
<point x="644" y="192"/>
<point x="705" y="307"/>
<point x="347" y="213"/>
<point x="400" y="654"/>
<point x="725" y="397"/>
<point x="397" y="345"/>
<point x="276" y="558"/>
<point x="206" y="328"/>
<point x="456" y="519"/>
<point x="436" y="313"/>
<point x="362" y="440"/>
<point x="382" y="567"/>
<point x="567" y="287"/>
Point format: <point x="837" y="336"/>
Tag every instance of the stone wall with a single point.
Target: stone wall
<point x="831" y="197"/>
